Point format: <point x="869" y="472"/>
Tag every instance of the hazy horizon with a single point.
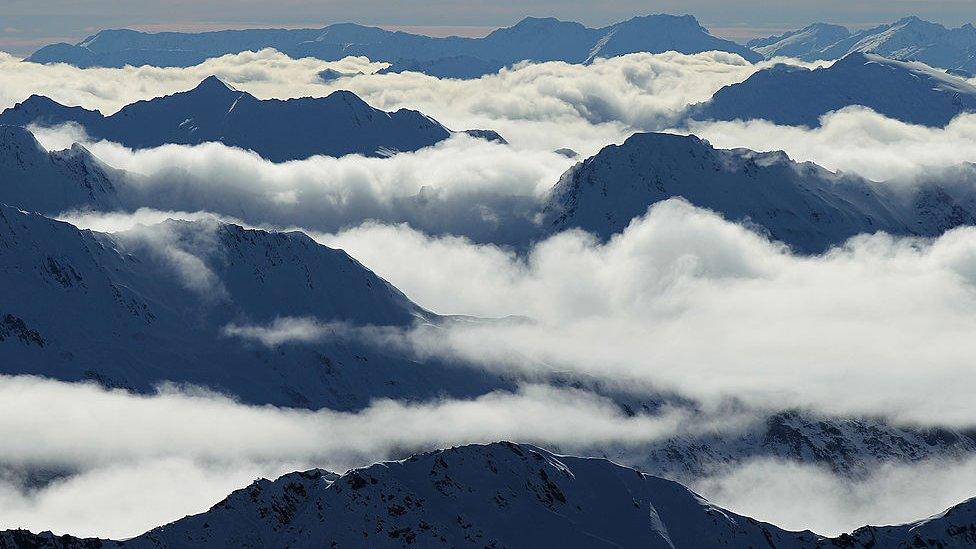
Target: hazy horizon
<point x="27" y="26"/>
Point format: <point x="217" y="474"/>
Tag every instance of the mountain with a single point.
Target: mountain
<point x="785" y="94"/>
<point x="278" y="130"/>
<point x="801" y="204"/>
<point x="138" y="308"/>
<point x="53" y="181"/>
<point x="495" y="495"/>
<point x="910" y="39"/>
<point x="536" y="39"/>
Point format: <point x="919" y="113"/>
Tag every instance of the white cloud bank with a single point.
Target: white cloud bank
<point x="534" y="105"/>
<point x="801" y="497"/>
<point x="856" y="139"/>
<point x="686" y="301"/>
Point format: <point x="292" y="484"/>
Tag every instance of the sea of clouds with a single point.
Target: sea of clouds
<point x="682" y="300"/>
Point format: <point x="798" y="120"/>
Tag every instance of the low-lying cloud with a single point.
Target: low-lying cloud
<point x="534" y="105"/>
<point x="829" y="504"/>
<point x="856" y="139"/>
<point x="685" y="301"/>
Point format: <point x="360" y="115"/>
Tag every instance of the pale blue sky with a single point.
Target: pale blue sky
<point x="27" y="24"/>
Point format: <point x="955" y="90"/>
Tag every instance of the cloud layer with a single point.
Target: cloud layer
<point x="686" y="301"/>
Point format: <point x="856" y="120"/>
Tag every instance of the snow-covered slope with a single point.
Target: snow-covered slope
<point x="538" y="39"/>
<point x="803" y="205"/>
<point x="910" y="38"/>
<point x="279" y="130"/>
<point x="52" y="182"/>
<point x="137" y="308"/>
<point x="851" y="447"/>
<point x="495" y="495"/>
<point x="908" y="91"/>
<point x="801" y="44"/>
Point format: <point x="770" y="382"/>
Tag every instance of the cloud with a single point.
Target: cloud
<point x="856" y="139"/>
<point x="831" y="504"/>
<point x="182" y="249"/>
<point x="541" y="106"/>
<point x="463" y="185"/>
<point x="687" y="302"/>
<point x="181" y="450"/>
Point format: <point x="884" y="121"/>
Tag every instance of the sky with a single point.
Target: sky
<point x="26" y="25"/>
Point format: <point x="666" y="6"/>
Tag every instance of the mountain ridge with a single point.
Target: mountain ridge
<point x="801" y="204"/>
<point x="279" y="130"/>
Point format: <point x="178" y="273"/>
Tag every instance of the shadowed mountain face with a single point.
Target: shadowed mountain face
<point x="278" y="130"/>
<point x="910" y="39"/>
<point x="535" y="39"/>
<point x="806" y="206"/>
<point x="907" y="91"/>
<point x="139" y="308"/>
<point x="52" y="182"/>
<point x="496" y="495"/>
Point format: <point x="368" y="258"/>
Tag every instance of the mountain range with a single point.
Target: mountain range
<point x="786" y="94"/>
<point x="278" y="130"/>
<point x="535" y="39"/>
<point x="910" y="39"/>
<point x="495" y="495"/>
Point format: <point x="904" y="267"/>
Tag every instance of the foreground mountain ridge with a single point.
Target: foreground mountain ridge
<point x="278" y="130"/>
<point x="533" y="38"/>
<point x="494" y="495"/>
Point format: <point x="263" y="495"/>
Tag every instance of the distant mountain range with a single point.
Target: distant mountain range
<point x="495" y="495"/>
<point x="278" y="130"/>
<point x="801" y="204"/>
<point x="909" y="39"/>
<point x="535" y="39"/>
<point x="785" y="94"/>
